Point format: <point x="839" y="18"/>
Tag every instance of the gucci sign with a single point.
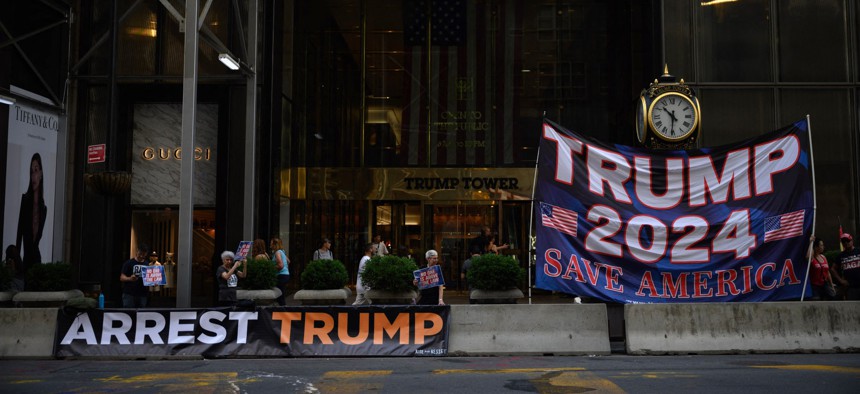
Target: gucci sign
<point x="150" y="153"/>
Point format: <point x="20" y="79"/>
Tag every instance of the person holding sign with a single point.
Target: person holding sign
<point x="430" y="295"/>
<point x="134" y="293"/>
<point x="153" y="262"/>
<point x="228" y="275"/>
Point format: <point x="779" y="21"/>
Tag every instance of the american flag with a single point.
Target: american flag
<point x="783" y="226"/>
<point x="459" y="99"/>
<point x="561" y="219"/>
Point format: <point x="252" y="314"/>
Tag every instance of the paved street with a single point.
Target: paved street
<point x="793" y="373"/>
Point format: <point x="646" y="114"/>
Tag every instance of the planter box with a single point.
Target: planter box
<point x="45" y="298"/>
<point x="6" y="297"/>
<point x="509" y="296"/>
<point x="391" y="298"/>
<point x="260" y="297"/>
<point x="323" y="297"/>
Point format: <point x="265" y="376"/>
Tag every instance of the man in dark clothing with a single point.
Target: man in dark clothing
<point x="134" y="293"/>
<point x="480" y="242"/>
<point x="846" y="268"/>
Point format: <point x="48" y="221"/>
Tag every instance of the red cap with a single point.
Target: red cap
<point x="846" y="236"/>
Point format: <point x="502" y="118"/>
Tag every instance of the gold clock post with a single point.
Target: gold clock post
<point x="668" y="115"/>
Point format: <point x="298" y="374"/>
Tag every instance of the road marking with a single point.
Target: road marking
<point x="503" y="371"/>
<point x="654" y="375"/>
<point x="812" y="367"/>
<point x="182" y="382"/>
<point x="574" y="382"/>
<point x="199" y="378"/>
<point x="349" y="382"/>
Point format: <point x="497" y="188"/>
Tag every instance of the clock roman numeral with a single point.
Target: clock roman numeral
<point x="659" y="124"/>
<point x="686" y="124"/>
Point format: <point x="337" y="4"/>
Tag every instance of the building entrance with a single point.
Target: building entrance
<point x="159" y="228"/>
<point x="449" y="229"/>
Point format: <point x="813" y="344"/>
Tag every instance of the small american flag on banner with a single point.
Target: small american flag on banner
<point x="561" y="219"/>
<point x="783" y="226"/>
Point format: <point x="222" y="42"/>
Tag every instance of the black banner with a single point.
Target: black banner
<point x="308" y="331"/>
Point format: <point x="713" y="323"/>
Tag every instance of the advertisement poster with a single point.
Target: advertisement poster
<point x="31" y="162"/>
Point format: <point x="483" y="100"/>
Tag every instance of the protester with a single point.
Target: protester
<point x="228" y="275"/>
<point x="324" y="252"/>
<point x="282" y="263"/>
<point x="360" y="289"/>
<point x="134" y="293"/>
<point x="429" y="296"/>
<point x="259" y="250"/>
<point x="819" y="272"/>
<point x="846" y="270"/>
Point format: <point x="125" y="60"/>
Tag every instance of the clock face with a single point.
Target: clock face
<point x="673" y="116"/>
<point x="641" y="123"/>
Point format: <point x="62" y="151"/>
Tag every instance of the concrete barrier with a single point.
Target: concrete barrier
<point x="27" y="332"/>
<point x="770" y="327"/>
<point x="557" y="329"/>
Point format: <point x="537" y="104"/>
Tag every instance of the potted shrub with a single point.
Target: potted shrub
<point x="324" y="283"/>
<point x="390" y="280"/>
<point x="259" y="284"/>
<point x="48" y="284"/>
<point x="494" y="279"/>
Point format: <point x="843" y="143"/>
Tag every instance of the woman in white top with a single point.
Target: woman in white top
<point x="324" y="252"/>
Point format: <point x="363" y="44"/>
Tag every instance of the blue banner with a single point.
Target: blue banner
<point x="630" y="225"/>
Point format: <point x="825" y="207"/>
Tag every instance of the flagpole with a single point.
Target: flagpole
<point x="532" y="256"/>
<point x="814" y="207"/>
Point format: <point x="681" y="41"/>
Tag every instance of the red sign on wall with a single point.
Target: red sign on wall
<point x="96" y="154"/>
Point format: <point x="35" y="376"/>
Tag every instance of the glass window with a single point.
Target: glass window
<point x="812" y="44"/>
<point x="834" y="149"/>
<point x="732" y="115"/>
<point x="734" y="41"/>
<point x="678" y="38"/>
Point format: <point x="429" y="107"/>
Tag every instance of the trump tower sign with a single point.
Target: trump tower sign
<point x="629" y="225"/>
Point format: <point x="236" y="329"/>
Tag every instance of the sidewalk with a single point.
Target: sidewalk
<point x="461" y="297"/>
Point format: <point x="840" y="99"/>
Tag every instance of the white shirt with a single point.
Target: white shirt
<point x="359" y="287"/>
<point x="381" y="250"/>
